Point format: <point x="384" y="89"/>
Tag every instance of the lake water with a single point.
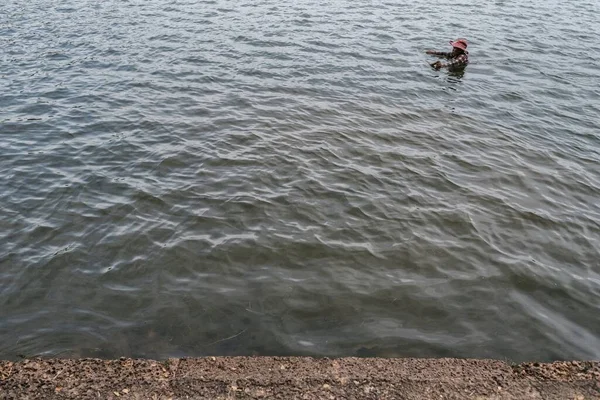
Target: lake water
<point x="188" y="178"/>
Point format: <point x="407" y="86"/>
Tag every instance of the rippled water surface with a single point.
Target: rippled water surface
<point x="183" y="178"/>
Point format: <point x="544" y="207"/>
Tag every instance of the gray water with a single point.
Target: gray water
<point x="187" y="178"/>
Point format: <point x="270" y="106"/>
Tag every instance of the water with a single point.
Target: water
<point x="185" y="178"/>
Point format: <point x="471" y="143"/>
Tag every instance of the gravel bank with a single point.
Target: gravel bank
<point x="296" y="378"/>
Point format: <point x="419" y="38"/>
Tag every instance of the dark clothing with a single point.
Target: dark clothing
<point x="458" y="61"/>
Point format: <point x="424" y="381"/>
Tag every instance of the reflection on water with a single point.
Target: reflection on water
<point x="225" y="177"/>
<point x="456" y="74"/>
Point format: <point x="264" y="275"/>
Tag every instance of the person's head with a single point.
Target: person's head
<point x="459" y="46"/>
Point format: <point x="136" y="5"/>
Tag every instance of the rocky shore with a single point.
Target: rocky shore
<point x="296" y="378"/>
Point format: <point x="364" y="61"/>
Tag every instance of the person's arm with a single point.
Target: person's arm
<point x="455" y="62"/>
<point x="438" y="53"/>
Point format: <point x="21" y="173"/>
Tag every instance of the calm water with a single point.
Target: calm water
<point x="184" y="178"/>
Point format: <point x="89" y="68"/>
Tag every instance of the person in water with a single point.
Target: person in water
<point x="458" y="58"/>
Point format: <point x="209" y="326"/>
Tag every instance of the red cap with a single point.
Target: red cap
<point x="459" y="43"/>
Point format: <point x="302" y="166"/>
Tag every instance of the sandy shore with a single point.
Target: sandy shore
<point x="296" y="378"/>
